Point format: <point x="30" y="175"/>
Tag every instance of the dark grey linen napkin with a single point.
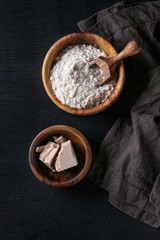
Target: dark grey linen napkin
<point x="128" y="162"/>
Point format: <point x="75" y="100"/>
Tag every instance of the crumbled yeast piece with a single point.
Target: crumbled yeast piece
<point x="49" y="153"/>
<point x="60" y="140"/>
<point x="66" y="157"/>
<point x="54" y="138"/>
<point x="40" y="149"/>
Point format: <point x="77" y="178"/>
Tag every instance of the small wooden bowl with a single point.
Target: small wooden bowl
<point x="81" y="38"/>
<point x="70" y="176"/>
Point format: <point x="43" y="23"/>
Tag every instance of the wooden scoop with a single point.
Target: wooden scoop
<point x="109" y="64"/>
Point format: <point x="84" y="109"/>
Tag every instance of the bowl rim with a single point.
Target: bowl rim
<point x="86" y="111"/>
<point x="80" y="175"/>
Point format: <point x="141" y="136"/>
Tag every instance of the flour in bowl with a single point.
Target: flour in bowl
<point x="74" y="82"/>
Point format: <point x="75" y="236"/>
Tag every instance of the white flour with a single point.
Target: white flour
<point x="74" y="83"/>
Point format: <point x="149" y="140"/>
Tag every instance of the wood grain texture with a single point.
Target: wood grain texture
<point x="70" y="176"/>
<point x="109" y="64"/>
<point x="81" y="38"/>
<point x="131" y="49"/>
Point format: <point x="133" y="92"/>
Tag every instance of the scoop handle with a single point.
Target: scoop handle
<point x="132" y="48"/>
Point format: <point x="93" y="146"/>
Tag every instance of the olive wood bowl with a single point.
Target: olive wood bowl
<point x="67" y="177"/>
<point x="81" y="38"/>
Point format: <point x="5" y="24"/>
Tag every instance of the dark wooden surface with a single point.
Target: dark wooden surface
<point x="29" y="209"/>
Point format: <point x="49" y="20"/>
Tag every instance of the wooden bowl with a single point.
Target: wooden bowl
<point x="81" y="38"/>
<point x="70" y="176"/>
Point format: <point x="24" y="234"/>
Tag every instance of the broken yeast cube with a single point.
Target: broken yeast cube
<point x="49" y="153"/>
<point x="66" y="157"/>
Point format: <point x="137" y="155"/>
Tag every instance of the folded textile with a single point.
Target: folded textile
<point x="128" y="162"/>
<point x="134" y="211"/>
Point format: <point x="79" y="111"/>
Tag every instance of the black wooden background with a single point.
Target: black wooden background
<point x="28" y="208"/>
